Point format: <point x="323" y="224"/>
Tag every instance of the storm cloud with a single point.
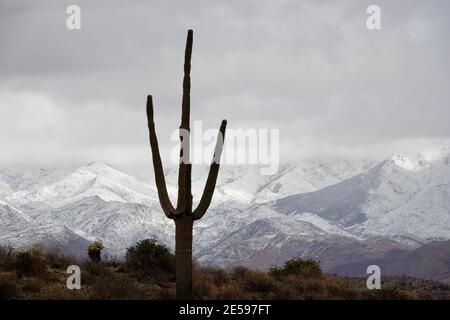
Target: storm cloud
<point x="311" y="69"/>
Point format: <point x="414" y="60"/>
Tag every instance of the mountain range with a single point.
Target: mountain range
<point x="347" y="214"/>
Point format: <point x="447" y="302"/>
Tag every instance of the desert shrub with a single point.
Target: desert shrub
<point x="96" y="269"/>
<point x="148" y="258"/>
<point x="284" y="291"/>
<point x="217" y="277"/>
<point x="231" y="292"/>
<point x="168" y="293"/>
<point x="220" y="277"/>
<point x="258" y="282"/>
<point x="308" y="288"/>
<point x="298" y="267"/>
<point x="113" y="262"/>
<point x="338" y="288"/>
<point x="389" y="294"/>
<point x="203" y="283"/>
<point x="8" y="287"/>
<point x="208" y="282"/>
<point x="202" y="289"/>
<point x="95" y="250"/>
<point x="7" y="258"/>
<point x="32" y="285"/>
<point x="31" y="263"/>
<point x="92" y="271"/>
<point x="117" y="287"/>
<point x="58" y="261"/>
<point x="239" y="272"/>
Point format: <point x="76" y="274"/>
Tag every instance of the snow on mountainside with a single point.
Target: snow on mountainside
<point x="336" y="211"/>
<point x="20" y="231"/>
<point x="5" y="189"/>
<point x="259" y="237"/>
<point x="310" y="176"/>
<point x="118" y="225"/>
<point x="395" y="199"/>
<point x="347" y="203"/>
<point x="11" y="217"/>
<point x="245" y="184"/>
<point x="96" y="179"/>
<point x="427" y="214"/>
<point x="30" y="179"/>
<point x="99" y="202"/>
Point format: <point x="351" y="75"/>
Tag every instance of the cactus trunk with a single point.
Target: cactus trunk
<point x="183" y="257"/>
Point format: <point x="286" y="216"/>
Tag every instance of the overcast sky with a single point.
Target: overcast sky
<point x="309" y="68"/>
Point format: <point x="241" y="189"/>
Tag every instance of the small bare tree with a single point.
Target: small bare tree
<point x="183" y="215"/>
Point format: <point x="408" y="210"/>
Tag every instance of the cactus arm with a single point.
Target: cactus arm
<point x="186" y="101"/>
<point x="157" y="164"/>
<point x="184" y="202"/>
<point x="210" y="185"/>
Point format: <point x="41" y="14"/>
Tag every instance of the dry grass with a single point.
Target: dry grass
<point x="36" y="274"/>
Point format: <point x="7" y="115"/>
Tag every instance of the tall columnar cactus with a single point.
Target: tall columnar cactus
<point x="183" y="215"/>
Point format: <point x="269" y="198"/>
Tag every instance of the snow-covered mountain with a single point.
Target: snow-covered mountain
<point x="394" y="199"/>
<point x="336" y="211"/>
<point x="5" y="189"/>
<point x="246" y="185"/>
<point x="96" y="179"/>
<point x="117" y="224"/>
<point x="19" y="230"/>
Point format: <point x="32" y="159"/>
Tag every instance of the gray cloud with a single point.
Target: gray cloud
<point x="311" y="69"/>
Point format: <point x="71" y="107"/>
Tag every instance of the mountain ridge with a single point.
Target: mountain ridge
<point x="336" y="211"/>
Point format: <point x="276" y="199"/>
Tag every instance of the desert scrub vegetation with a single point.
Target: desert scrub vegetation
<point x="94" y="251"/>
<point x="298" y="268"/>
<point x="148" y="273"/>
<point x="31" y="263"/>
<point x="149" y="259"/>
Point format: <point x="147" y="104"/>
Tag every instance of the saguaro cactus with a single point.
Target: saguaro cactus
<point x="183" y="215"/>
